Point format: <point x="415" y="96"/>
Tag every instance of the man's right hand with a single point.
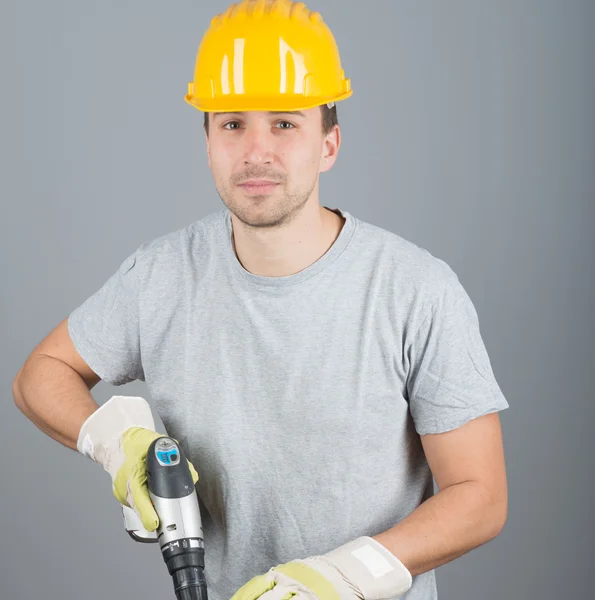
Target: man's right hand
<point x="117" y="436"/>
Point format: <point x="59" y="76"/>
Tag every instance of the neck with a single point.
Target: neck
<point x="290" y="248"/>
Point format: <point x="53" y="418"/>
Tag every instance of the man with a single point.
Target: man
<point x="316" y="369"/>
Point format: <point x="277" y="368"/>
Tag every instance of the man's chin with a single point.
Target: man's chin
<point x="254" y="216"/>
<point x="261" y="222"/>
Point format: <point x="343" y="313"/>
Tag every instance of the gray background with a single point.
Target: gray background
<point x="470" y="133"/>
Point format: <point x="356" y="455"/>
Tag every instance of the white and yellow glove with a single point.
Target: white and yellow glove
<point x="117" y="436"/>
<point x="359" y="570"/>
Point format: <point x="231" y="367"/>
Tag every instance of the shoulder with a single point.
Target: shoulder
<point x="410" y="266"/>
<point x="171" y="253"/>
<point x="180" y="239"/>
<point x="178" y="242"/>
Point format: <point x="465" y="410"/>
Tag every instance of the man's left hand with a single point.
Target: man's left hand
<point x="360" y="570"/>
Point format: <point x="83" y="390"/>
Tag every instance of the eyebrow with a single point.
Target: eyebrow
<point x="298" y="113"/>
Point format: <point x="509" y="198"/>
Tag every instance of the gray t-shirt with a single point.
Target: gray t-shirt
<point x="299" y="399"/>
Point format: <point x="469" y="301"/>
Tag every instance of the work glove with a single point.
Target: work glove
<point x="359" y="570"/>
<point x="117" y="436"/>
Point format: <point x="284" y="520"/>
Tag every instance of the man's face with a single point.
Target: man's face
<point x="266" y="165"/>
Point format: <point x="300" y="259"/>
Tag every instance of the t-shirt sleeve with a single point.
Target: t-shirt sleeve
<point x="451" y="380"/>
<point x="105" y="328"/>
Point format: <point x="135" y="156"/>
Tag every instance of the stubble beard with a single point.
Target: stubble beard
<point x="263" y="211"/>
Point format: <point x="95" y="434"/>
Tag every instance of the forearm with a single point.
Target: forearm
<point x="449" y="524"/>
<point x="54" y="397"/>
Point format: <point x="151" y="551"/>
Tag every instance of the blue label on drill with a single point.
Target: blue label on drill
<point x="167" y="456"/>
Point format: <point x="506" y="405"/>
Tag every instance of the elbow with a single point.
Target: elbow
<point x="492" y="511"/>
<point x="503" y="518"/>
<point x="497" y="516"/>
<point x="16" y="389"/>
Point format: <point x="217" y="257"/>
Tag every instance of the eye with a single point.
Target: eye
<point x="231" y="123"/>
<point x="291" y="125"/>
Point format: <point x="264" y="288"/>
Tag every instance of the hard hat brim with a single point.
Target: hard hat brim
<point x="277" y="104"/>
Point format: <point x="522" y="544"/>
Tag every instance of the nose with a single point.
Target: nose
<point x="258" y="145"/>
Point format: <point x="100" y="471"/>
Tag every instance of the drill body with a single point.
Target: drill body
<point x="179" y="533"/>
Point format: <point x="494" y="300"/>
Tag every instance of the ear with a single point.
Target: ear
<point x="330" y="148"/>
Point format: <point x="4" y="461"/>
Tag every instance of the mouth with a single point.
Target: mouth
<point x="258" y="186"/>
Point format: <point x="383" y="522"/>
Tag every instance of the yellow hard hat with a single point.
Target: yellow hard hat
<point x="272" y="55"/>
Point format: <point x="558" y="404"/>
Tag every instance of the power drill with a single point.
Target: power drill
<point x="179" y="533"/>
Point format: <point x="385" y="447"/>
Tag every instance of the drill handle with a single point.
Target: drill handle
<point x="135" y="529"/>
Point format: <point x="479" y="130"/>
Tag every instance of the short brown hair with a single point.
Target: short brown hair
<point x="329" y="119"/>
